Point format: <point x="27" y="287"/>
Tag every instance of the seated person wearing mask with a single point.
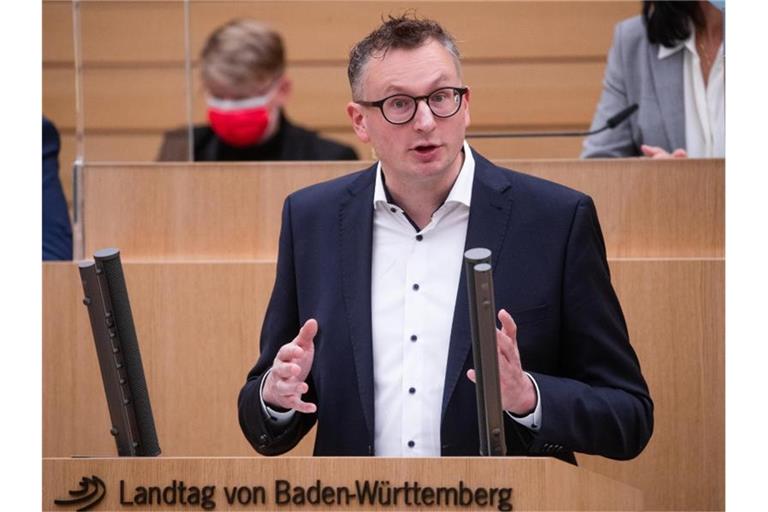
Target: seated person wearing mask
<point x="243" y="73"/>
<point x="671" y="62"/>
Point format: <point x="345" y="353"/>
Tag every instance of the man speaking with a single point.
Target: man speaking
<point x="367" y="331"/>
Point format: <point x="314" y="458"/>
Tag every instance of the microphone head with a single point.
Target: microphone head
<point x="614" y="121"/>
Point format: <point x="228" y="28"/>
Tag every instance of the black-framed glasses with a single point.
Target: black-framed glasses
<point x="401" y="108"/>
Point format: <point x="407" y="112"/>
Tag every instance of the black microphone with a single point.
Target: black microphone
<point x="612" y="122"/>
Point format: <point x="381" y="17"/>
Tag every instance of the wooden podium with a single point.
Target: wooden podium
<point x="199" y="244"/>
<point x="320" y="483"/>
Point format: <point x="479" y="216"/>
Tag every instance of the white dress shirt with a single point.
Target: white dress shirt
<point x="414" y="280"/>
<point x="704" y="104"/>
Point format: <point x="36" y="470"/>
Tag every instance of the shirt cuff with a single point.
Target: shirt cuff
<point x="278" y="418"/>
<point x="533" y="420"/>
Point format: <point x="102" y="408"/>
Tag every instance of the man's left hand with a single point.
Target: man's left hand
<point x="518" y="395"/>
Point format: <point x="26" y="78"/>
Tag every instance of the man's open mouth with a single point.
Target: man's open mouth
<point x="426" y="148"/>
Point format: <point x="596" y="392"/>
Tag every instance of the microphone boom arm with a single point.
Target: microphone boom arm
<point x="611" y="123"/>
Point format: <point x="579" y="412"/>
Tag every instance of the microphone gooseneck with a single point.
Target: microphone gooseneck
<point x="611" y="123"/>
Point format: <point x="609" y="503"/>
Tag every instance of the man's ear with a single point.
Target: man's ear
<point x="355" y="113"/>
<point x="284" y="90"/>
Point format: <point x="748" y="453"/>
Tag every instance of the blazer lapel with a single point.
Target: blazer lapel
<point x="667" y="75"/>
<point x="488" y="218"/>
<point x="355" y="242"/>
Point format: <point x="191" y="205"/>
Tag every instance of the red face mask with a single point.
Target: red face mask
<point x="239" y="123"/>
<point x="239" y="128"/>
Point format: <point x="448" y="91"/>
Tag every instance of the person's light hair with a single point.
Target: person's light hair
<point x="241" y="53"/>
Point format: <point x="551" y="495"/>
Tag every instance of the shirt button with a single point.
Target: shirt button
<point x="414" y="337"/>
<point x="393" y="210"/>
<point x="416" y="286"/>
<point x="419" y="238"/>
<point x="412" y="390"/>
<point x="411" y="444"/>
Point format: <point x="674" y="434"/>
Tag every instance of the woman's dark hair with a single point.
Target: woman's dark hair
<point x="668" y="23"/>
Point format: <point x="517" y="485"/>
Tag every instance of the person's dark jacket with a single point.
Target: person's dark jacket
<point x="57" y="230"/>
<point x="550" y="273"/>
<point x="290" y="142"/>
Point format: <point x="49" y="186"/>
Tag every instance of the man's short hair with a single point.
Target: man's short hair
<point x="242" y="52"/>
<point x="402" y="32"/>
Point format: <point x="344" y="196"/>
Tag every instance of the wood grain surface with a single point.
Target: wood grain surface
<point x="537" y="484"/>
<point x="531" y="66"/>
<point x="201" y="211"/>
<point x="198" y="326"/>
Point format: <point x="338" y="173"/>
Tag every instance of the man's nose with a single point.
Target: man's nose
<point x="424" y="120"/>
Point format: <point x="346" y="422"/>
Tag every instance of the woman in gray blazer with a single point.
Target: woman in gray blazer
<point x="635" y="73"/>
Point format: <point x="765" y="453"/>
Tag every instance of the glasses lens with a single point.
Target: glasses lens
<point x="398" y="109"/>
<point x="445" y="102"/>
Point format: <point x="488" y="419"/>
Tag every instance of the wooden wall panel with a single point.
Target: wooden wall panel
<point x="102" y="147"/>
<point x="131" y="31"/>
<point x="675" y="313"/>
<point x="647" y="208"/>
<point x="198" y="326"/>
<point x="483" y="29"/>
<point x="59" y="97"/>
<point x="516" y="55"/>
<point x="225" y="208"/>
<point x="58" y="46"/>
<point x="146" y="99"/>
<point x="232" y="211"/>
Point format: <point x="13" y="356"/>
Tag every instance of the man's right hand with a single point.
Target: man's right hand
<point x="285" y="383"/>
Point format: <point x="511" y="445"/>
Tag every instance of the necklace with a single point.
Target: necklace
<point x="704" y="55"/>
<point x="707" y="52"/>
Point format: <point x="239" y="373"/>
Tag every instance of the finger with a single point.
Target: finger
<point x="471" y="375"/>
<point x="289" y="352"/>
<point x="283" y="370"/>
<point x="504" y="348"/>
<point x="508" y="342"/>
<point x="287" y="388"/>
<point x="274" y="391"/>
<point x="307" y="333"/>
<point x="301" y="406"/>
<point x="508" y="325"/>
<point x="650" y="150"/>
<point x="680" y="153"/>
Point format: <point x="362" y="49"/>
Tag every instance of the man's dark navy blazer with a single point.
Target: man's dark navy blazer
<point x="550" y="273"/>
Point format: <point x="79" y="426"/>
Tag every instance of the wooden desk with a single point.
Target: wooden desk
<point x="171" y="212"/>
<point x="198" y="326"/>
<point x="199" y="245"/>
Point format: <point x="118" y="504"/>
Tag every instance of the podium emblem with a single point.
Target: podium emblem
<point x="89" y="494"/>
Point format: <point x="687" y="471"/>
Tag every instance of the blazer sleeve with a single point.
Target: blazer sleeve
<point x="599" y="402"/>
<point x="281" y="325"/>
<point x="616" y="142"/>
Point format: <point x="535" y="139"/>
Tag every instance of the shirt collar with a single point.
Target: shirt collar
<point x="461" y="192"/>
<point x="665" y="52"/>
<point x="689" y="43"/>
